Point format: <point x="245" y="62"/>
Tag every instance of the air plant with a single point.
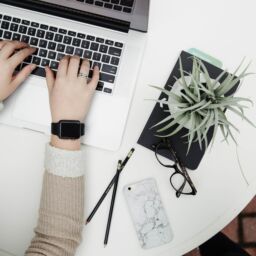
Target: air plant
<point x="201" y="104"/>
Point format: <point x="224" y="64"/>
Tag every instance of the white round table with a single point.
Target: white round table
<point x="225" y="185"/>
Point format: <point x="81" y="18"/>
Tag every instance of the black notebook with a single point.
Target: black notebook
<point x="179" y="143"/>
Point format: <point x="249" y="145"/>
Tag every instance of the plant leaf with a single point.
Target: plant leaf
<point x="241" y="115"/>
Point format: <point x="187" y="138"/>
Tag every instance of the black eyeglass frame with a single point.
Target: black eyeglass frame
<point x="179" y="168"/>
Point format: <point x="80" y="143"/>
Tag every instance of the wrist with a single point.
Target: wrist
<point x="65" y="144"/>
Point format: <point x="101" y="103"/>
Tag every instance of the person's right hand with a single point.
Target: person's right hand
<point x="70" y="95"/>
<point x="9" y="60"/>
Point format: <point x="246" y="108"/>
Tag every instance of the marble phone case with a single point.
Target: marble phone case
<point x="148" y="215"/>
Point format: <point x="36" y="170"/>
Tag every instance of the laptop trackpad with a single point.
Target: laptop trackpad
<point x="32" y="104"/>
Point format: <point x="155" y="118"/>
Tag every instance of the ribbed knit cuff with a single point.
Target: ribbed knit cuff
<point x="1" y="105"/>
<point x="64" y="163"/>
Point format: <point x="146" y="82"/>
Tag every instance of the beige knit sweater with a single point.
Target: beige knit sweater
<point x="61" y="213"/>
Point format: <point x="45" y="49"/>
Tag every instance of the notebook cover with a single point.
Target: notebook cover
<point x="193" y="158"/>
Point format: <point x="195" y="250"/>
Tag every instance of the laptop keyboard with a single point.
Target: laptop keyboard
<point x="53" y="43"/>
<point x="117" y="5"/>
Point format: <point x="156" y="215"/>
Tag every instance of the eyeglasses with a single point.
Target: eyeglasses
<point x="179" y="180"/>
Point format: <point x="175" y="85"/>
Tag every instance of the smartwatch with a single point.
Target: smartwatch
<point x="68" y="129"/>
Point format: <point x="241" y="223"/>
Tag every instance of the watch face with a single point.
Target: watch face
<point x="70" y="129"/>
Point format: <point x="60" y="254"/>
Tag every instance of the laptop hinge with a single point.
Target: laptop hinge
<point x="71" y="13"/>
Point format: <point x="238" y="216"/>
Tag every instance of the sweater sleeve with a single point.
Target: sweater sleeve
<point x="61" y="213"/>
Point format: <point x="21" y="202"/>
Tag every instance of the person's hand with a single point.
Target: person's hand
<point x="9" y="60"/>
<point x="70" y="95"/>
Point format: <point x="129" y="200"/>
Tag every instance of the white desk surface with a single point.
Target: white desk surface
<point x="222" y="28"/>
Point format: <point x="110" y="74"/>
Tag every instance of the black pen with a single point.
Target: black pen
<point x="119" y="168"/>
<point x="109" y="187"/>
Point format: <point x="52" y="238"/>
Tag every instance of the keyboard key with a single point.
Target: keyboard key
<point x="35" y="24"/>
<point x="128" y="3"/>
<point x="105" y="58"/>
<point x="23" y="29"/>
<point x="49" y="36"/>
<point x="36" y="60"/>
<point x="114" y="51"/>
<point x="58" y="38"/>
<point x="80" y="35"/>
<point x="100" y="40"/>
<point x="109" y="42"/>
<point x="79" y="52"/>
<point x="28" y="59"/>
<point x="25" y="22"/>
<point x="16" y="20"/>
<point x="7" y="17"/>
<point x="62" y="31"/>
<point x="1" y="33"/>
<point x="91" y="38"/>
<point x="107" y="90"/>
<point x="109" y="69"/>
<point x="115" y="61"/>
<point x="52" y="55"/>
<point x="103" y="48"/>
<point x="117" y="7"/>
<point x="43" y="53"/>
<point x="45" y="27"/>
<point x="100" y="86"/>
<point x="43" y="43"/>
<point x="127" y="10"/>
<point x="33" y="41"/>
<point x="31" y="31"/>
<point x="109" y="6"/>
<point x="76" y="42"/>
<point x="98" y="3"/>
<point x="71" y="33"/>
<point x="115" y="1"/>
<point x="39" y="72"/>
<point x="40" y="33"/>
<point x="61" y="48"/>
<point x="94" y="46"/>
<point x="54" y="65"/>
<point x="53" y="29"/>
<point x="70" y="50"/>
<point x="14" y="27"/>
<point x="25" y="39"/>
<point x="96" y="56"/>
<point x="67" y="40"/>
<point x="89" y="1"/>
<point x="16" y="37"/>
<point x="5" y="25"/>
<point x="85" y="44"/>
<point x="118" y="44"/>
<point x="60" y="56"/>
<point x="7" y="35"/>
<point x="52" y="46"/>
<point x="45" y="62"/>
<point x="87" y="54"/>
<point x="107" y="78"/>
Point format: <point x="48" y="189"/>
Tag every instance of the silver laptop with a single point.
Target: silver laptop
<point x="111" y="33"/>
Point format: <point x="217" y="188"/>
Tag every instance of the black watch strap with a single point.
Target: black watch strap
<point x="75" y="129"/>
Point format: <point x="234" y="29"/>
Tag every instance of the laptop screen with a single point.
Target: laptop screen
<point x="133" y="11"/>
<point x="120" y="15"/>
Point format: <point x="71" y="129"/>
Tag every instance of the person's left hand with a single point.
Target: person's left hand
<point x="9" y="60"/>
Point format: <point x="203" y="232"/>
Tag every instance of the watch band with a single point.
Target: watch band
<point x="56" y="128"/>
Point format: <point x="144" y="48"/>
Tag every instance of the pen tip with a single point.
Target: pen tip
<point x="105" y="245"/>
<point x="86" y="222"/>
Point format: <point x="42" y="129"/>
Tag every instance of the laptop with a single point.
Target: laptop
<point x="111" y="33"/>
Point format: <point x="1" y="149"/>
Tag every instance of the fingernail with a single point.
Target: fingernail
<point x="33" y="66"/>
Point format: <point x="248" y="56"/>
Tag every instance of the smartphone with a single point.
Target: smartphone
<point x="148" y="214"/>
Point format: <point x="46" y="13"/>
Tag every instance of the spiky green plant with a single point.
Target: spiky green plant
<point x="202" y="104"/>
